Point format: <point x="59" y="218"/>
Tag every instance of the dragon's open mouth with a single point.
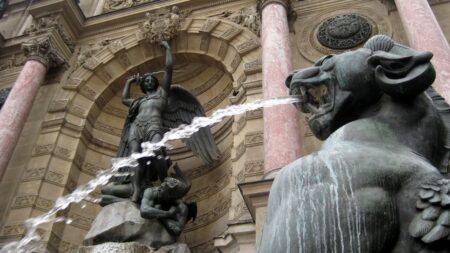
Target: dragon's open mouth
<point x="315" y="99"/>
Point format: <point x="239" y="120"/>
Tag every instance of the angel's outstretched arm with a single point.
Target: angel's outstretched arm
<point x="126" y="100"/>
<point x="168" y="70"/>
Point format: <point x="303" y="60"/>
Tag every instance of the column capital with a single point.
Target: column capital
<point x="263" y="3"/>
<point x="43" y="51"/>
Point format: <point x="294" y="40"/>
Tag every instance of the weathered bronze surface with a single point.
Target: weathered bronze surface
<point x="375" y="185"/>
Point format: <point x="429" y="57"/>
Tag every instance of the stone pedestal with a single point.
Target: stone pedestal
<point x="425" y="34"/>
<point x="281" y="124"/>
<point x="114" y="247"/>
<point x="122" y="222"/>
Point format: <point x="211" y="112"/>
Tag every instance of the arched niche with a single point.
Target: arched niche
<point x="85" y="118"/>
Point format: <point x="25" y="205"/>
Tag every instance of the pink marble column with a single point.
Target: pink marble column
<point x="18" y="105"/>
<point x="281" y="123"/>
<point x="425" y="34"/>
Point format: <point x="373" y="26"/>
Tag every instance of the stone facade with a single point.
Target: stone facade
<point x="75" y="123"/>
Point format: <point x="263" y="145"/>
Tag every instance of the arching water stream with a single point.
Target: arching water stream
<point x="30" y="241"/>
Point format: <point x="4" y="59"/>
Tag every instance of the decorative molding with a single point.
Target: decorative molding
<point x="43" y="51"/>
<point x="24" y="201"/>
<point x="64" y="153"/>
<point x="253" y="168"/>
<point x="31" y="174"/>
<point x="163" y="24"/>
<point x="55" y="178"/>
<point x="231" y="33"/>
<point x="235" y="63"/>
<point x="253" y="67"/>
<point x="113" y="5"/>
<point x="40" y="150"/>
<point x="80" y="221"/>
<point x="90" y="50"/>
<point x="45" y="24"/>
<point x="222" y="50"/>
<point x="91" y="169"/>
<point x="255" y="114"/>
<point x="13" y="230"/>
<point x="254" y="139"/>
<point x="247" y="46"/>
<point x="44" y="204"/>
<point x="209" y="25"/>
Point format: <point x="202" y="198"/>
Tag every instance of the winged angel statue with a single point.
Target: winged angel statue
<point x="149" y="117"/>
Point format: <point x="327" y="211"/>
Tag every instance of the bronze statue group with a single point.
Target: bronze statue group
<point x="161" y="107"/>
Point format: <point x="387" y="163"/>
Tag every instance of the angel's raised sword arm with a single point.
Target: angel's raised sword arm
<point x="169" y="68"/>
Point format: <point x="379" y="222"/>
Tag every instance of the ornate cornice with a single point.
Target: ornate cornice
<point x="43" y="51"/>
<point x="46" y="24"/>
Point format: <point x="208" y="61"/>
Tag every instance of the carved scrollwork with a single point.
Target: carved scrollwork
<point x="163" y="24"/>
<point x="344" y="31"/>
<point x="42" y="51"/>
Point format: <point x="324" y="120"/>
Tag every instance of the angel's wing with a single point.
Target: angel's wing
<point x="182" y="108"/>
<point x="432" y="223"/>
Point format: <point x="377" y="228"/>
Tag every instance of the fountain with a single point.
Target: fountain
<point x="375" y="185"/>
<point x="29" y="242"/>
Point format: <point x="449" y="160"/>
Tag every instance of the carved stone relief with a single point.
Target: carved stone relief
<point x="337" y="30"/>
<point x="42" y="51"/>
<point x="163" y="24"/>
<point x="89" y="50"/>
<point x="112" y="5"/>
<point x="16" y="60"/>
<point x="44" y="24"/>
<point x="344" y="31"/>
<point x="247" y="17"/>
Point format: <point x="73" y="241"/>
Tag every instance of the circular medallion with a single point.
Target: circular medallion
<point x="344" y="31"/>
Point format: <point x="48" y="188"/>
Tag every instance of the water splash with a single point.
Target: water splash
<point x="30" y="241"/>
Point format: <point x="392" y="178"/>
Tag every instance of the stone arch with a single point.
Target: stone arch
<point x="69" y="129"/>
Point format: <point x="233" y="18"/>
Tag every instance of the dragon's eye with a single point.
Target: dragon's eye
<point x="322" y="60"/>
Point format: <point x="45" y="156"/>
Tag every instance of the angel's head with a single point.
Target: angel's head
<point x="148" y="83"/>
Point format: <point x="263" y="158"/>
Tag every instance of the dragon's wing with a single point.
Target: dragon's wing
<point x="432" y="224"/>
<point x="182" y="108"/>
